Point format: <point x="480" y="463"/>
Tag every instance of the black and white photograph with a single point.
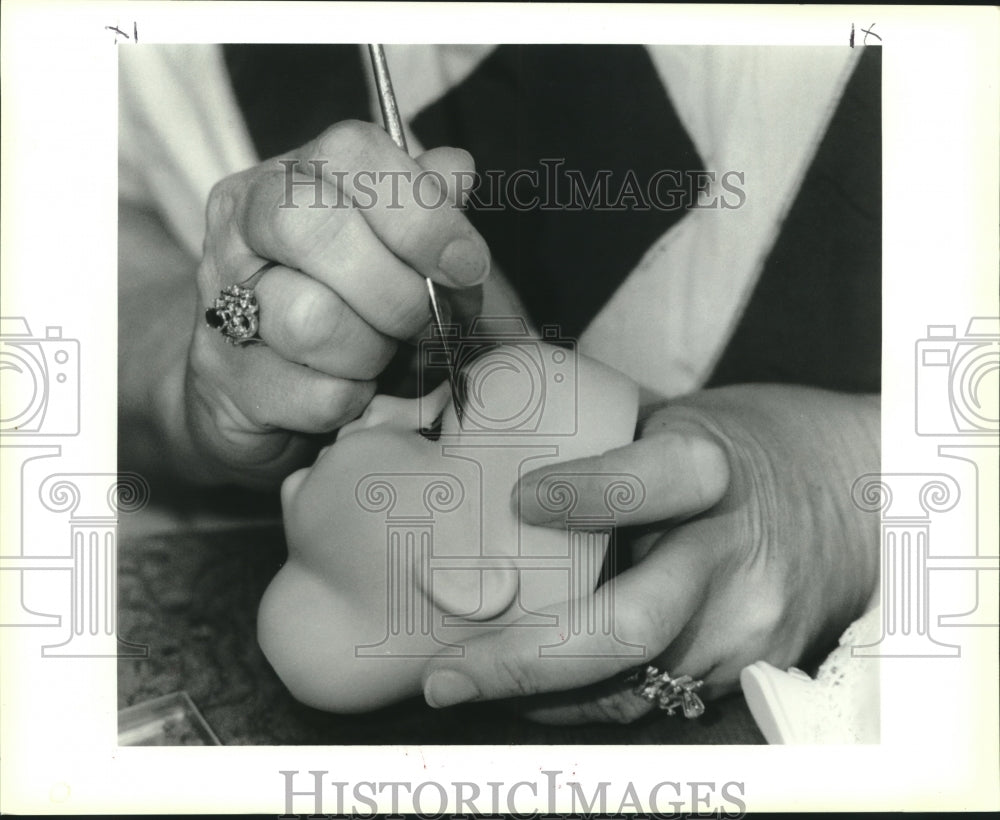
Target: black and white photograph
<point x="573" y="224"/>
<point x="602" y="418"/>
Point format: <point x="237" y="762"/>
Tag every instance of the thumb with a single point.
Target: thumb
<point x="626" y="622"/>
<point x="677" y="472"/>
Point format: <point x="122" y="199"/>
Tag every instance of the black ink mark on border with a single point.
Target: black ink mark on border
<point x="117" y="31"/>
<point x="868" y="31"/>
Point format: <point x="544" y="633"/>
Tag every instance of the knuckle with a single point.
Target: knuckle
<point x="220" y="205"/>
<point x="315" y="322"/>
<point x="347" y="138"/>
<point x="463" y="159"/>
<point x="408" y="316"/>
<point x="323" y="324"/>
<point x="302" y="232"/>
<point x="767" y="616"/>
<point x="407" y="232"/>
<point x="280" y="229"/>
<point x="207" y="278"/>
<point x="513" y="677"/>
<point x="430" y="189"/>
<point x="641" y="624"/>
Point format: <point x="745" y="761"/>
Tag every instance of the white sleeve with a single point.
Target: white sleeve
<point x="759" y="111"/>
<point x="180" y="130"/>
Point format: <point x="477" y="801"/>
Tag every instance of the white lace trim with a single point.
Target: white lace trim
<point x="843" y="700"/>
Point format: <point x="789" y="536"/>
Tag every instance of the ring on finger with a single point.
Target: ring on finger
<point x="668" y="693"/>
<point x="236" y="312"/>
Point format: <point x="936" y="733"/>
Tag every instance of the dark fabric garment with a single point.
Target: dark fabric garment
<point x="815" y="317"/>
<point x="290" y="93"/>
<point x="599" y="109"/>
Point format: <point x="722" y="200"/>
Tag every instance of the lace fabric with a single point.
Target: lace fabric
<point x="839" y="706"/>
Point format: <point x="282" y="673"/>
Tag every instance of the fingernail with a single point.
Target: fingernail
<point x="465" y="262"/>
<point x="446" y="688"/>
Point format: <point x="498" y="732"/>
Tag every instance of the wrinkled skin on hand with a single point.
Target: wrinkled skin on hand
<point x="348" y="286"/>
<point x="749" y="548"/>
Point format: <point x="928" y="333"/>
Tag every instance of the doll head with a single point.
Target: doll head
<point x="403" y="539"/>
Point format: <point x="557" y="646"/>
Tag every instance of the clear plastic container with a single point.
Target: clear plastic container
<point x="172" y="720"/>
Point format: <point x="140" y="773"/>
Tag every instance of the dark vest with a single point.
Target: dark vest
<point x="815" y="315"/>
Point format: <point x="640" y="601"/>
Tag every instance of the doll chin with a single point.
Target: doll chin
<point x="304" y="629"/>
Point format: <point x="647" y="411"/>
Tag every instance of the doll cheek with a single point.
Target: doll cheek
<point x="367" y="421"/>
<point x="385" y="411"/>
<point x="390" y="410"/>
<point x="349" y="428"/>
<point x="373" y="416"/>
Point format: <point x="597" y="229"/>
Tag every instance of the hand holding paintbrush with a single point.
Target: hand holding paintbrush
<point x="325" y="280"/>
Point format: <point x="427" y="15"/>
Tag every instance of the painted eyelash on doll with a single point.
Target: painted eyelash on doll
<point x="433" y="432"/>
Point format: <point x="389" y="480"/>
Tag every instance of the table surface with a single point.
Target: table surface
<point x="191" y="597"/>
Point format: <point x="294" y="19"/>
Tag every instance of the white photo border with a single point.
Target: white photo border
<point x="940" y="68"/>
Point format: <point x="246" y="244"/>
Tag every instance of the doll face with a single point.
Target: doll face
<point x="402" y="542"/>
